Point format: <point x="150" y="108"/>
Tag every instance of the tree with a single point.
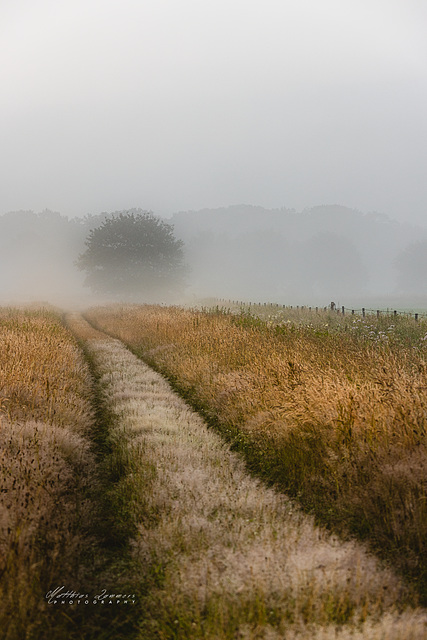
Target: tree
<point x="133" y="255"/>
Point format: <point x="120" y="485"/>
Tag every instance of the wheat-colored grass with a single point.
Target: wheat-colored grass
<point x="45" y="467"/>
<point x="221" y="555"/>
<point x="43" y="375"/>
<point x="334" y="412"/>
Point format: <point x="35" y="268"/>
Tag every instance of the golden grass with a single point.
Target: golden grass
<point x="43" y="375"/>
<point x="221" y="555"/>
<point x="45" y="463"/>
<point x="333" y="413"/>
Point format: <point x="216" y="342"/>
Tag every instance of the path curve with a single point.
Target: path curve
<point x="223" y="555"/>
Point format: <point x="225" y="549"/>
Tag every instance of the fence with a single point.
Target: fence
<point x="332" y="307"/>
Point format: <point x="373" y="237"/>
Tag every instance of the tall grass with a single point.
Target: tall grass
<point x="45" y="463"/>
<point x="222" y="556"/>
<point x="333" y="412"/>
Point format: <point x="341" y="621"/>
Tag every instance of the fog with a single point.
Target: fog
<point x="173" y="106"/>
<point x="286" y="141"/>
<point x="245" y="253"/>
<point x="309" y="257"/>
<point x="37" y="258"/>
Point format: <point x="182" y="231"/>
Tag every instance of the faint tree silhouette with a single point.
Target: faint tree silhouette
<point x="133" y="255"/>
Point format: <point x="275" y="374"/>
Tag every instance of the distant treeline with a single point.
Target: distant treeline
<point x="319" y="254"/>
<point x="38" y="252"/>
<point x="243" y="252"/>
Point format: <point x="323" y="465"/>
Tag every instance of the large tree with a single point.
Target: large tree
<point x="133" y="255"/>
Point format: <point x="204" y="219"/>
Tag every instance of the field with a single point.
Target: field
<point x="45" y="417"/>
<point x="332" y="410"/>
<point x="110" y="480"/>
<point x="51" y="510"/>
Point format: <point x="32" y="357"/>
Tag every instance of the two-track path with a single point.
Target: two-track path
<point x="219" y="554"/>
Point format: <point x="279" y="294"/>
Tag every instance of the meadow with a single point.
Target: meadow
<point x="53" y="513"/>
<point x="331" y="410"/>
<point x="220" y="556"/>
<point x="45" y="456"/>
<point x="109" y="479"/>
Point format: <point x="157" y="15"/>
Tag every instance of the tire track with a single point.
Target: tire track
<point x="218" y="554"/>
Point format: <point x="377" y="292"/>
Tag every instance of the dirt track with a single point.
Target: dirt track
<point x="221" y="555"/>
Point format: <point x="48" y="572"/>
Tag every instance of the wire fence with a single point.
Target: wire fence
<point x="332" y="307"/>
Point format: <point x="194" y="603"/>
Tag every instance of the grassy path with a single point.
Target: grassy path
<point x="218" y="555"/>
<point x="55" y="536"/>
<point x="333" y="415"/>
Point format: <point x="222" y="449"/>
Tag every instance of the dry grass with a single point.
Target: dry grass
<point x="222" y="556"/>
<point x="45" y="467"/>
<point x="334" y="413"/>
<point x="43" y="375"/>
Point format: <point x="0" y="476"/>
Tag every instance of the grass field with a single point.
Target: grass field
<point x="44" y="462"/>
<point x="53" y="518"/>
<point x="110" y="480"/>
<point x="220" y="555"/>
<point x="331" y="410"/>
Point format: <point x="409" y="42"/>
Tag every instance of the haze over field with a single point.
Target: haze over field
<point x="246" y="253"/>
<point x="171" y="106"/>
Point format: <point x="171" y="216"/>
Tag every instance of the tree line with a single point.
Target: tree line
<point x="315" y="255"/>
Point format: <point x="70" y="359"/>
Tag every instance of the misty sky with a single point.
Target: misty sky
<point x="184" y="104"/>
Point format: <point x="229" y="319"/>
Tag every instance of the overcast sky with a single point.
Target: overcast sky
<point x="184" y="104"/>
